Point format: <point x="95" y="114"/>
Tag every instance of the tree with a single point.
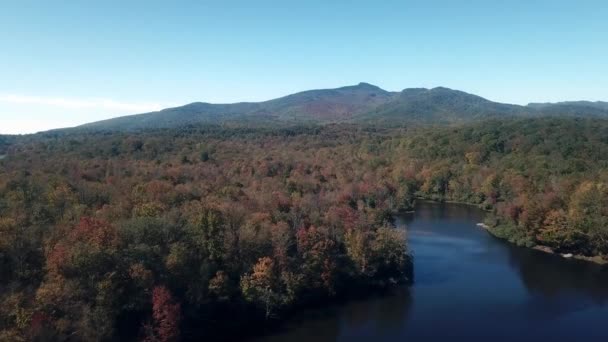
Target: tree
<point x="208" y="231"/>
<point x="166" y="316"/>
<point x="556" y="232"/>
<point x="318" y="258"/>
<point x="588" y="213"/>
<point x="261" y="287"/>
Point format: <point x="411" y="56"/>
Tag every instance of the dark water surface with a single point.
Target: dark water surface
<point x="470" y="286"/>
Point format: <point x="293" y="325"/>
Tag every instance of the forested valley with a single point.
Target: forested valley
<point x="215" y="232"/>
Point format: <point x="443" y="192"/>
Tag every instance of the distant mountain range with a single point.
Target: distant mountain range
<point x="573" y="107"/>
<point x="359" y="103"/>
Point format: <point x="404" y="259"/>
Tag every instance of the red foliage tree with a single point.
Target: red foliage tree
<point x="166" y="314"/>
<point x="96" y="232"/>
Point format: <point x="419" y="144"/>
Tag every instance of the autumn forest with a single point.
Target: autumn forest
<point x="221" y="231"/>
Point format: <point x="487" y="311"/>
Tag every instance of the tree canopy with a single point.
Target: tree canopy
<point x="189" y="233"/>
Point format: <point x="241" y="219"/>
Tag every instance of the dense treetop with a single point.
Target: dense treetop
<point x="193" y="232"/>
<point x="190" y="232"/>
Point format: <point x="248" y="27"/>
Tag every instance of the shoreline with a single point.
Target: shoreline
<point x="450" y="202"/>
<point x="598" y="260"/>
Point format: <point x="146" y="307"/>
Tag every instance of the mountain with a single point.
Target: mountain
<point x="597" y="108"/>
<point x="193" y="113"/>
<point x="363" y="102"/>
<point x="592" y="104"/>
<point x="328" y="104"/>
<point x="5" y="142"/>
<point x="324" y="105"/>
<point x="440" y="105"/>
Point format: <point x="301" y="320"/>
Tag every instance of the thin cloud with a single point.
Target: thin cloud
<point x="74" y="103"/>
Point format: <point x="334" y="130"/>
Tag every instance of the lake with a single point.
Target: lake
<point x="469" y="286"/>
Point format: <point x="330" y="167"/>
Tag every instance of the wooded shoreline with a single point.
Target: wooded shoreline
<point x="598" y="259"/>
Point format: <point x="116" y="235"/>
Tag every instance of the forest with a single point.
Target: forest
<point x="209" y="231"/>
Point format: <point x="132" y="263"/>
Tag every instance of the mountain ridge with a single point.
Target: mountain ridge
<point x="363" y="102"/>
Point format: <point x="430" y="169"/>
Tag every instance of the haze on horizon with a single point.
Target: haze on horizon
<point x="68" y="64"/>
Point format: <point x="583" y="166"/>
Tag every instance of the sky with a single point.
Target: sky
<point x="64" y="63"/>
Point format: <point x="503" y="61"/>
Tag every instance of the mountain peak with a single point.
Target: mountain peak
<point x="440" y="88"/>
<point x="366" y="86"/>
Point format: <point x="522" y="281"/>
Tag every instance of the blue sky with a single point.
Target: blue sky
<point x="64" y="63"/>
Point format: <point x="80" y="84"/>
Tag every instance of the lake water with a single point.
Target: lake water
<point x="469" y="286"/>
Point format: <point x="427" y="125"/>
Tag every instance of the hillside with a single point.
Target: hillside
<point x="440" y="105"/>
<point x="225" y="227"/>
<point x="324" y="105"/>
<point x="358" y="103"/>
<point x="594" y="104"/>
<point x="5" y="142"/>
<point x="576" y="108"/>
